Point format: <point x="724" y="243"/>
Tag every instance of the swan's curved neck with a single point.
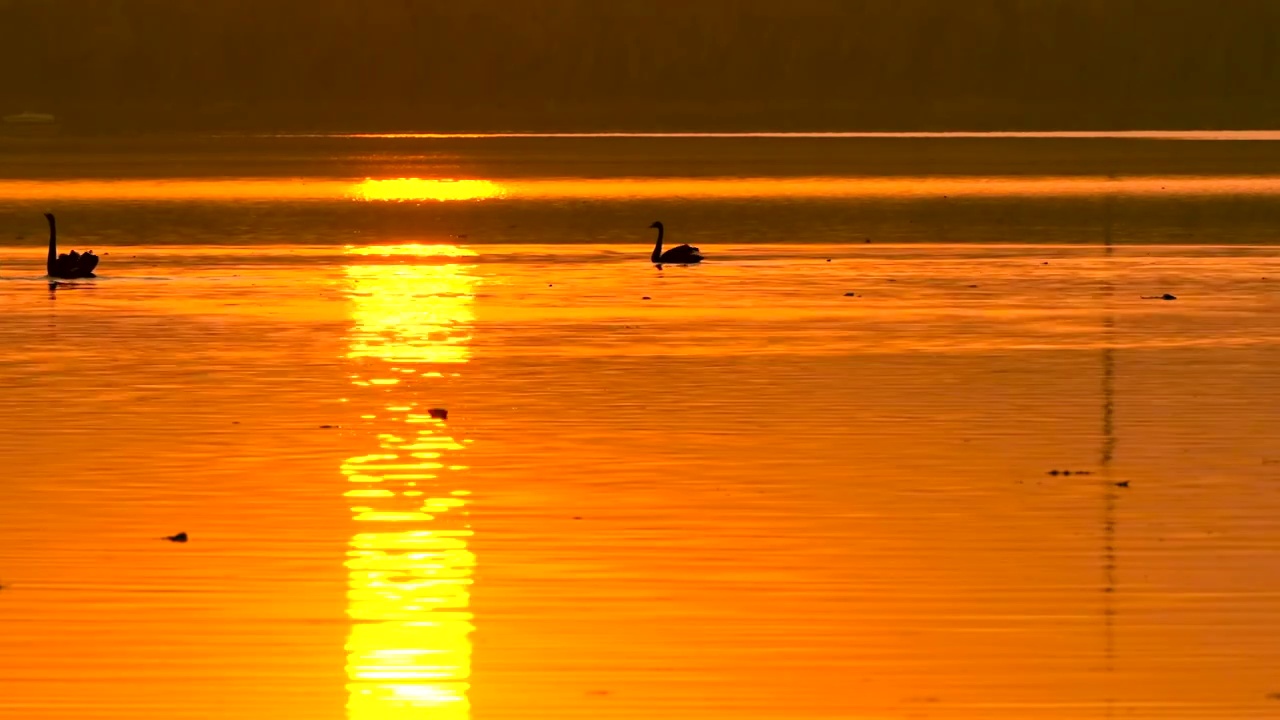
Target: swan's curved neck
<point x="53" y="244"/>
<point x="657" y="248"/>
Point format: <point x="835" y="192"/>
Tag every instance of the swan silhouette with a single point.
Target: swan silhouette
<point x="682" y="255"/>
<point x="68" y="265"/>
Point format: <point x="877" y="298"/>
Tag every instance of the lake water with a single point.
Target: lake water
<point x="995" y="481"/>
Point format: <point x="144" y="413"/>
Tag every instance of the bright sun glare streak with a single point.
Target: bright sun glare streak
<point x="410" y="568"/>
<point x="411" y="250"/>
<point x="410" y="189"/>
<point x="395" y="321"/>
<point x="415" y="190"/>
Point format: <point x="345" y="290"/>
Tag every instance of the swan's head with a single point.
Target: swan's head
<point x="48" y="216"/>
<point x="657" y="225"/>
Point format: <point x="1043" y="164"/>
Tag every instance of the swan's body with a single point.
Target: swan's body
<point x="682" y="255"/>
<point x="68" y="265"/>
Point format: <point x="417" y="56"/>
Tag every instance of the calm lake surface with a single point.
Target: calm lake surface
<point x="994" y="481"/>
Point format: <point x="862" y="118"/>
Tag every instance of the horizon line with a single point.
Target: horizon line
<point x="1219" y="135"/>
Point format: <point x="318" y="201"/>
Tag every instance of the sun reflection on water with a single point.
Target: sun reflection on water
<point x="409" y="568"/>
<point x="408" y="189"/>
<point x="410" y="250"/>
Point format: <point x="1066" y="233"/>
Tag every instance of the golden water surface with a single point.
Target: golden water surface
<point x="729" y="491"/>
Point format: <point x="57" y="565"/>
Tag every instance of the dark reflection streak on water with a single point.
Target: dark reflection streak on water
<point x="1110" y="495"/>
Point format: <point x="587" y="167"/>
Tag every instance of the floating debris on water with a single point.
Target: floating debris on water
<point x="439" y="413"/>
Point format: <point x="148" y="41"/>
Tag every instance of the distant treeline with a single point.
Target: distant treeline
<point x="642" y="64"/>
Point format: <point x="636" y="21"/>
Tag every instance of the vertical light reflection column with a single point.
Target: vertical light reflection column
<point x="409" y="566"/>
